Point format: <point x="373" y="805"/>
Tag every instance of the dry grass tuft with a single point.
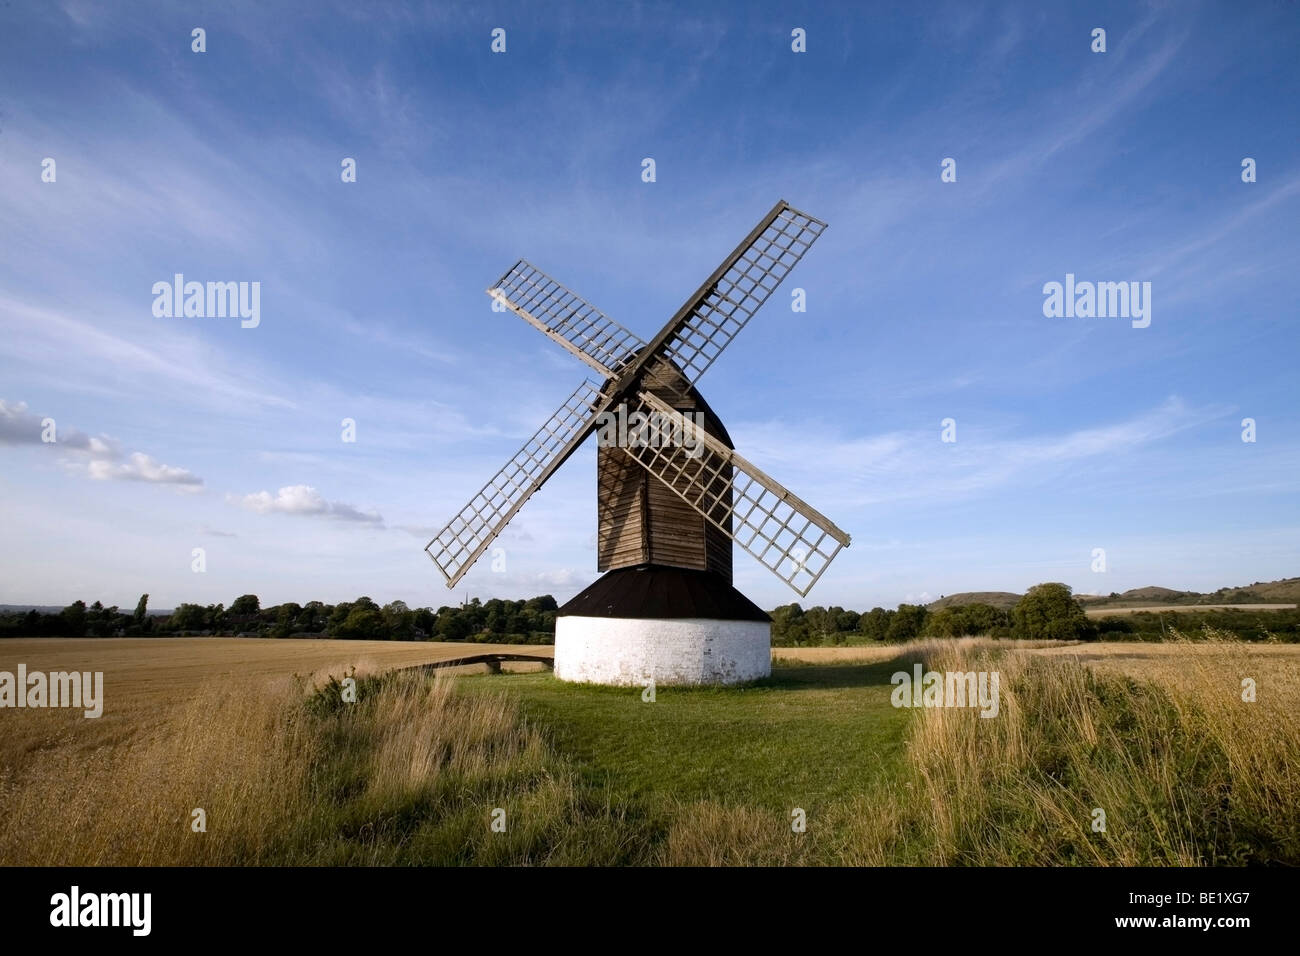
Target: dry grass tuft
<point x="1185" y="771"/>
<point x="409" y="773"/>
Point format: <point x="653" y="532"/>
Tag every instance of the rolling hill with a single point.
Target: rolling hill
<point x="1286" y="590"/>
<point x="1000" y="599"/>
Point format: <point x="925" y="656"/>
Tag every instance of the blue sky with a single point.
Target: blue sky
<point x="925" y="298"/>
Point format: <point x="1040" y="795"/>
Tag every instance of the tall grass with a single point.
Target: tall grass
<point x="1186" y="772"/>
<point x="410" y="773"/>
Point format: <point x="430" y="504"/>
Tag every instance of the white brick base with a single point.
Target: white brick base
<point x="631" y="651"/>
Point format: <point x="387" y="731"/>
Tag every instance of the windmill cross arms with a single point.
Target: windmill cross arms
<point x="728" y="299"/>
<point x="788" y="536"/>
<point x="562" y="315"/>
<point x="462" y="542"/>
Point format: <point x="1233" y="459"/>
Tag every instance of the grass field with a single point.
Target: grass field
<point x="1154" y="734"/>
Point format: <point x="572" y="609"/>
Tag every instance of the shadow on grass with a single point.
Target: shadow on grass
<point x="830" y="676"/>
<point x="787" y="675"/>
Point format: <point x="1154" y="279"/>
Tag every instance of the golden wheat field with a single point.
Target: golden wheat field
<point x="1096" y="612"/>
<point x="144" y="677"/>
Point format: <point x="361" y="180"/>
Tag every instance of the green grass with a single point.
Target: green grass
<point x="808" y="736"/>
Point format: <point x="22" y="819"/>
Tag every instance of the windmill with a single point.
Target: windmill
<point x="672" y="494"/>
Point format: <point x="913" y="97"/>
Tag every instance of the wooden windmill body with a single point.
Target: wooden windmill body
<point x="639" y="519"/>
<point x="672" y="494"/>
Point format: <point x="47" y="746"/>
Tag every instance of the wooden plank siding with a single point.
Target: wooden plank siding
<point x="639" y="520"/>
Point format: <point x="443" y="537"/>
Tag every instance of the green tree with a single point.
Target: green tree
<point x="313" y="618"/>
<point x="245" y="605"/>
<point x="286" y="619"/>
<point x="451" y="625"/>
<point x="908" y="623"/>
<point x="337" y="616"/>
<point x="1050" y="612"/>
<point x="398" y="621"/>
<point x="74" y="619"/>
<point x="820" y="625"/>
<point x="874" y="625"/>
<point x="102" y="620"/>
<point x="215" y="618"/>
<point x="188" y="617"/>
<point x="846" y="622"/>
<point x="788" y="627"/>
<point x="945" y="622"/>
<point x="980" y="619"/>
<point x="365" y="622"/>
<point x="496" y="616"/>
<point x="424" y="623"/>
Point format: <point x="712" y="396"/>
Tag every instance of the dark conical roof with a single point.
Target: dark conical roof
<point x="658" y="591"/>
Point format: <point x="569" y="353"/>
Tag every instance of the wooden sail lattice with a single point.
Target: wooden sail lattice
<point x="788" y="536"/>
<point x="738" y="288"/>
<point x="464" y="539"/>
<point x="564" y="316"/>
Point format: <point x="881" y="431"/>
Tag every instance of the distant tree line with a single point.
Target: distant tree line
<point x="494" y="621"/>
<point x="793" y="626"/>
<point x="1282" y="625"/>
<point x="1047" y="611"/>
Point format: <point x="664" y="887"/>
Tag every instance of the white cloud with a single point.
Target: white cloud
<point x="140" y="467"/>
<point x="304" y="500"/>
<point x="98" y="457"/>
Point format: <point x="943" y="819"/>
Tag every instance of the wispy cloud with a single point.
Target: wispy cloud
<point x="1100" y="108"/>
<point x="304" y="500"/>
<point x="85" y="355"/>
<point x="897" y="466"/>
<point x="140" y="467"/>
<point x="98" y="457"/>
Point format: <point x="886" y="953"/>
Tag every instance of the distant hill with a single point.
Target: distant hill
<point x="1147" y="595"/>
<point x="1000" y="599"/>
<point x="1285" y="591"/>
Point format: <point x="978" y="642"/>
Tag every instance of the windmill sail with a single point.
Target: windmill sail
<point x="728" y="299"/>
<point x="457" y="546"/>
<point x="785" y="534"/>
<point x="788" y="536"/>
<point x="562" y="315"/>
